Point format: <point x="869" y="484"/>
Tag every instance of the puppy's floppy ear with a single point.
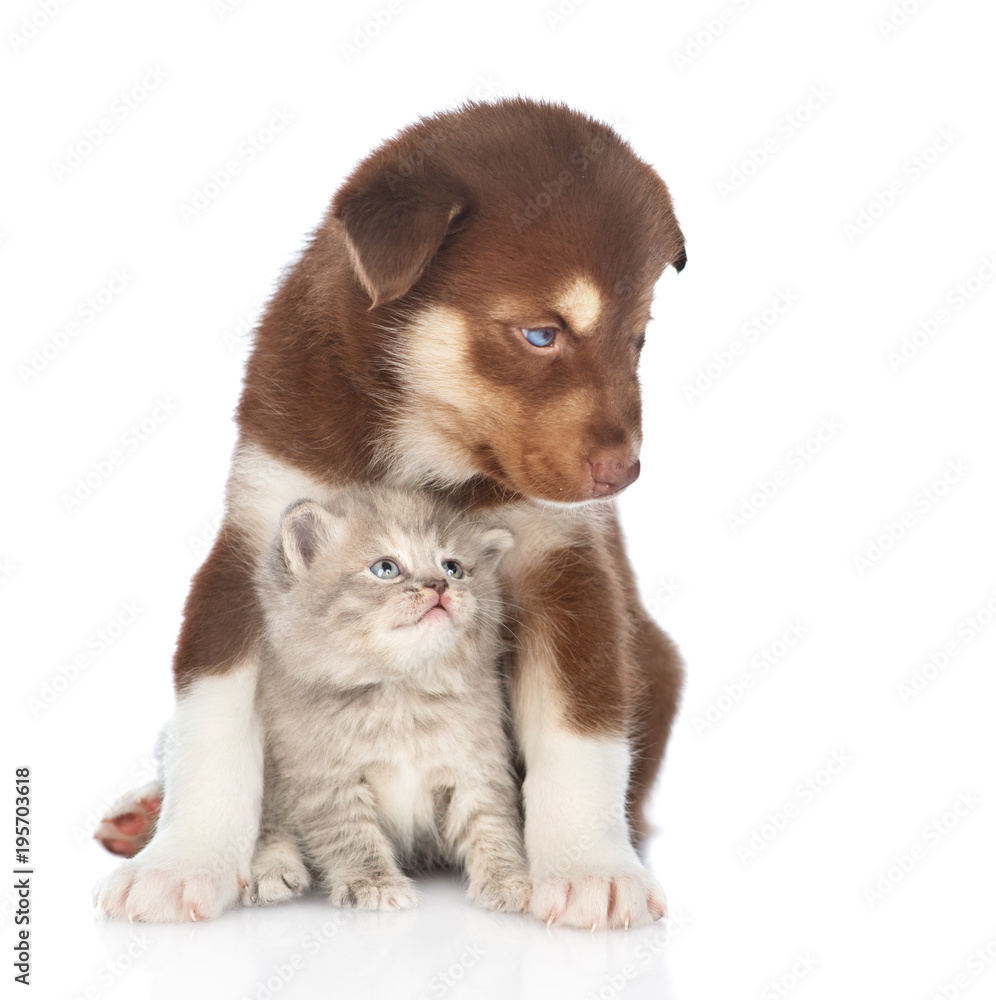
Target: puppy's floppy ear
<point x="306" y="530"/>
<point x="394" y="224"/>
<point x="670" y="239"/>
<point x="673" y="242"/>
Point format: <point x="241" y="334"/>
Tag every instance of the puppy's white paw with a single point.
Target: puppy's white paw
<point x="361" y="892"/>
<point x="621" y="898"/>
<point x="159" y="887"/>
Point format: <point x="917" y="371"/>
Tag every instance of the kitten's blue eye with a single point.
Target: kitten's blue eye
<point x="540" y="336"/>
<point x="386" y="569"/>
<point x="453" y="569"/>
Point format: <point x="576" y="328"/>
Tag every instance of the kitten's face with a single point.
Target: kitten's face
<point x="408" y="596"/>
<point x="390" y="585"/>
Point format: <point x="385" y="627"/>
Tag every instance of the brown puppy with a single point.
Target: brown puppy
<point x="468" y="317"/>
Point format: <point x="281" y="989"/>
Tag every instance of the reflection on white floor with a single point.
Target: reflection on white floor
<point x="444" y="948"/>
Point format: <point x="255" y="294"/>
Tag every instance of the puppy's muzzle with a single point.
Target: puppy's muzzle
<point x="612" y="471"/>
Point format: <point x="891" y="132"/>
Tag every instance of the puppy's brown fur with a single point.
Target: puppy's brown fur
<point x="395" y="352"/>
<point x="457" y="233"/>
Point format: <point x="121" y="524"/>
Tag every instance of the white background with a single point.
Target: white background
<point x="794" y="910"/>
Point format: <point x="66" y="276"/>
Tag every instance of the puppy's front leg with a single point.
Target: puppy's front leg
<point x="584" y="868"/>
<point x="194" y="866"/>
<point x="573" y="705"/>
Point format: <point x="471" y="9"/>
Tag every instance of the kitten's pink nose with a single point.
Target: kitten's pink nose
<point x="440" y="589"/>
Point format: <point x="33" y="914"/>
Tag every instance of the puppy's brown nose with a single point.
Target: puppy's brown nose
<point x="612" y="472"/>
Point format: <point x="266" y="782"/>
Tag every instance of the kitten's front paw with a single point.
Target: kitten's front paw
<point x="158" y="887"/>
<point x="362" y="892"/>
<point x="509" y="892"/>
<point x="626" y="898"/>
<point x="275" y="884"/>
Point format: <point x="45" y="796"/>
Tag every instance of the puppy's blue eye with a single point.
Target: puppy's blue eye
<point x="453" y="569"/>
<point x="542" y="336"/>
<point x="386" y="569"/>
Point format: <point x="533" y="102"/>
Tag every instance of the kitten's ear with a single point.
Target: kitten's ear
<point x="495" y="543"/>
<point x="306" y="530"/>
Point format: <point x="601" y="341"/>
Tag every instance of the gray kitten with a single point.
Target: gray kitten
<point x="382" y="704"/>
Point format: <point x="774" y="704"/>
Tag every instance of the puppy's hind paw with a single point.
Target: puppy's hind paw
<point x="130" y="824"/>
